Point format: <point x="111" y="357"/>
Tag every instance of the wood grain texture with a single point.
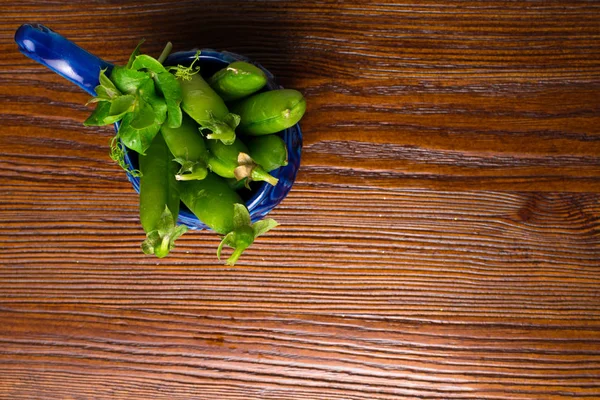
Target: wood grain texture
<point x="377" y="294"/>
<point x="442" y="240"/>
<point x="508" y="89"/>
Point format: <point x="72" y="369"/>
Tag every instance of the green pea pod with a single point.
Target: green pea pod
<point x="233" y="161"/>
<point x="270" y="151"/>
<point x="159" y="199"/>
<point x="270" y="112"/>
<point x="222" y="209"/>
<point x="205" y="106"/>
<point x="189" y="149"/>
<point x="239" y="79"/>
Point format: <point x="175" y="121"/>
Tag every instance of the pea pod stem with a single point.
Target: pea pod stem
<point x="244" y="233"/>
<point x="161" y="241"/>
<point x="222" y="210"/>
<point x="231" y="161"/>
<point x="237" y="252"/>
<point x="191" y="171"/>
<point x="249" y="169"/>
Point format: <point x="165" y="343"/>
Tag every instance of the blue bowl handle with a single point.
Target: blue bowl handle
<point x="60" y="55"/>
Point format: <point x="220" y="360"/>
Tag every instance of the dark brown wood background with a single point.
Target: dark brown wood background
<point x="442" y="240"/>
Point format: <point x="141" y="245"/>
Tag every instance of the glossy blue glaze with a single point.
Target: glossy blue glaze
<point x="82" y="68"/>
<point x="60" y="55"/>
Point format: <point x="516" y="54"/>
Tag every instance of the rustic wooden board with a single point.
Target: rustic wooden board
<point x="442" y="240"/>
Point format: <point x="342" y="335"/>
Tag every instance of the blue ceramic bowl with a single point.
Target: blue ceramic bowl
<point x="82" y="68"/>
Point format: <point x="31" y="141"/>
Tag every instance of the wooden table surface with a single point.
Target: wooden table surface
<point x="442" y="239"/>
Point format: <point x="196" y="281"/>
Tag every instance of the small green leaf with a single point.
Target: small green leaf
<point x="174" y="115"/>
<point x="171" y="90"/>
<point x="122" y="104"/>
<point x="106" y="82"/>
<point x="111" y="119"/>
<point x="147" y="89"/>
<point x="227" y="240"/>
<point x="109" y="112"/>
<point x="182" y="161"/>
<point x="137" y="137"/>
<point x="152" y="241"/>
<point x="233" y="120"/>
<point x="133" y="55"/>
<point x="147" y="92"/>
<point x="128" y="80"/>
<point x="177" y="232"/>
<point x="99" y="114"/>
<point x="106" y="93"/>
<point x="160" y="109"/>
<point x="162" y="240"/>
<point x="263" y="226"/>
<point x="106" y="90"/>
<point x="241" y="216"/>
<point x="166" y="222"/>
<point x="168" y="86"/>
<point x="95" y="100"/>
<point x="144" y="61"/>
<point x="143" y="115"/>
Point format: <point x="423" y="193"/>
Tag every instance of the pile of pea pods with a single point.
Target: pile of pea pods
<point x="207" y="140"/>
